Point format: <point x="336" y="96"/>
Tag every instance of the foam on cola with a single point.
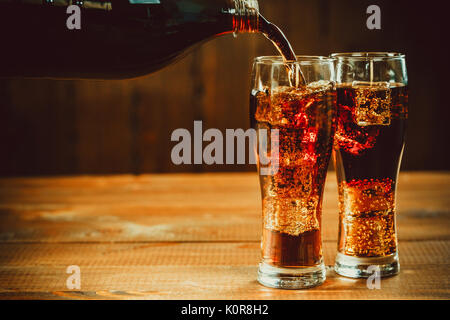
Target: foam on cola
<point x="292" y="198"/>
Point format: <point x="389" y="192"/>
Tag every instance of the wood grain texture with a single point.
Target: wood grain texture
<point x="192" y="236"/>
<point x="219" y="207"/>
<point x="200" y="271"/>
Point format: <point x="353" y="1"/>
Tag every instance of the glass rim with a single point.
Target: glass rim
<point x="364" y="56"/>
<point x="301" y="59"/>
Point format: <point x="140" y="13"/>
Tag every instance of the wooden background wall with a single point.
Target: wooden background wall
<point x="83" y="127"/>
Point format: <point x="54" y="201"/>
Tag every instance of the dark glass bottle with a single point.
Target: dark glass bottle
<point x="118" y="38"/>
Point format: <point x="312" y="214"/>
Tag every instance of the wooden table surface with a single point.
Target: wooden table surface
<point x="192" y="236"/>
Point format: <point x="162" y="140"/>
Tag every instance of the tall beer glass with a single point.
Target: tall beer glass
<point x="370" y="136"/>
<point x="295" y="130"/>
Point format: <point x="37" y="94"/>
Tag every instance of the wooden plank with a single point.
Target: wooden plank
<point x="126" y="233"/>
<point x="200" y="271"/>
<point x="185" y="207"/>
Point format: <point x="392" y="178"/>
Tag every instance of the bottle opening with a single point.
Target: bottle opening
<point x="246" y="16"/>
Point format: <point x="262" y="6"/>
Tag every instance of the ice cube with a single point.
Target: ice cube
<point x="263" y="109"/>
<point x="321" y="85"/>
<point x="365" y="196"/>
<point x="373" y="103"/>
<point x="291" y="215"/>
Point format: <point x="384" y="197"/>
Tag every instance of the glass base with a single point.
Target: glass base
<point x="358" y="267"/>
<point x="291" y="278"/>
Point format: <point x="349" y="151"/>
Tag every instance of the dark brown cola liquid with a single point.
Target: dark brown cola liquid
<point x="371" y="149"/>
<point x="281" y="43"/>
<point x="118" y="38"/>
<point x="292" y="196"/>
<point x="279" y="40"/>
<point x="368" y="149"/>
<point x="283" y="250"/>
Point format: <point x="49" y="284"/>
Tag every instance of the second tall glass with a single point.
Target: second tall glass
<point x="370" y="136"/>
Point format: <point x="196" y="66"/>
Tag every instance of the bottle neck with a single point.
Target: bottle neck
<point x="246" y="16"/>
